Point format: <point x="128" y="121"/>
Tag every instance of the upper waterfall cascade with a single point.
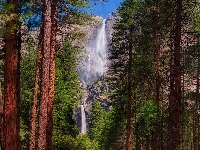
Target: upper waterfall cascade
<point x="94" y="65"/>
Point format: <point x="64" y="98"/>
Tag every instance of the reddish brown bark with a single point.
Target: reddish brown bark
<point x="129" y="112"/>
<point x="11" y="78"/>
<point x="54" y="17"/>
<point x="32" y="136"/>
<point x="175" y="87"/>
<point x="45" y="76"/>
<point x="11" y="92"/>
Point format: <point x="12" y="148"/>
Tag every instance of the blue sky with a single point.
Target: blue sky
<point x="104" y="8"/>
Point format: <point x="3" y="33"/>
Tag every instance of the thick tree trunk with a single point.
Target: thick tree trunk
<point x="129" y="109"/>
<point x="54" y="17"/>
<point x="45" y="76"/>
<point x="32" y="136"/>
<point x="175" y="87"/>
<point x="11" y="92"/>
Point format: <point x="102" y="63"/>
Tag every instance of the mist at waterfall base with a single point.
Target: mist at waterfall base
<point x="94" y="66"/>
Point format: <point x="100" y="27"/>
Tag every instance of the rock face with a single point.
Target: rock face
<point x="110" y="21"/>
<point x="91" y="30"/>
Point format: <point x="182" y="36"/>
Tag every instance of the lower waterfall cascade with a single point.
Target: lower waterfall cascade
<point x="83" y="120"/>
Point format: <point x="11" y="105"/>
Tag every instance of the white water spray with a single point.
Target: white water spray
<point x="94" y="66"/>
<point x="100" y="50"/>
<point x="83" y="120"/>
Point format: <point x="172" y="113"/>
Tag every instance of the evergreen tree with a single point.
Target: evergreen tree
<point x="98" y="121"/>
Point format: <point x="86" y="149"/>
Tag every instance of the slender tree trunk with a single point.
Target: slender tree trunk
<point x="32" y="136"/>
<point x="1" y="119"/>
<point x="183" y="101"/>
<point x="54" y="17"/>
<point x="129" y="112"/>
<point x="19" y="41"/>
<point x="137" y="140"/>
<point x="157" y="95"/>
<point x="161" y="141"/>
<point x="11" y="97"/>
<point x="157" y="58"/>
<point x="157" y="89"/>
<point x="196" y="116"/>
<point x="45" y="76"/>
<point x="137" y="147"/>
<point x="175" y="87"/>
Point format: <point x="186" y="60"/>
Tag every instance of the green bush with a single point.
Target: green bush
<point x="81" y="142"/>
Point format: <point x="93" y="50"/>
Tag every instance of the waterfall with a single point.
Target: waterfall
<point x="83" y="120"/>
<point x="94" y="66"/>
<point x="100" y="50"/>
